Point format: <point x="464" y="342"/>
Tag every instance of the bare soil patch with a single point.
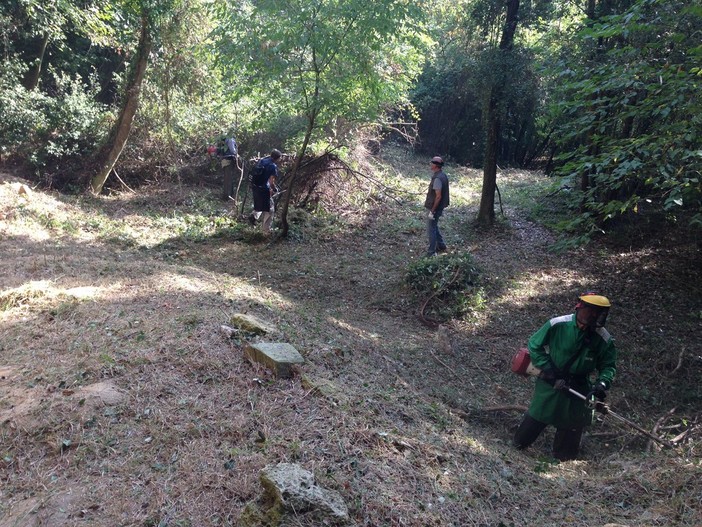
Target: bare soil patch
<point x="116" y="297"/>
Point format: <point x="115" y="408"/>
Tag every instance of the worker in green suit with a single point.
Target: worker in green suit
<point x="571" y="351"/>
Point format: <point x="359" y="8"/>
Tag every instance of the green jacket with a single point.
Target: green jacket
<point x="557" y="341"/>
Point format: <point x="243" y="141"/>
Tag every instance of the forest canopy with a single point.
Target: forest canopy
<point x="602" y="95"/>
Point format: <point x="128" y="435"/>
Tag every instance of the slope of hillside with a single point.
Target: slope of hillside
<point x="123" y="403"/>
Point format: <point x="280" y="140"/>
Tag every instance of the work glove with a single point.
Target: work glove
<point x="430" y="215"/>
<point x="548" y="374"/>
<point x="598" y="391"/>
<point x="560" y="384"/>
<point x="551" y="376"/>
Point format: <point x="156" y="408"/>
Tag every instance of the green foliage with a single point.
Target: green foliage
<point x="452" y="280"/>
<point x="329" y="61"/>
<point x="453" y="91"/>
<point x="49" y="130"/>
<point x="201" y="220"/>
<point x="544" y="465"/>
<point x="21" y="110"/>
<point x="183" y="103"/>
<point x="632" y="116"/>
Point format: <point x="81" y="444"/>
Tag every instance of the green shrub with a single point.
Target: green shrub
<point x="48" y="130"/>
<point x="450" y="282"/>
<point x="20" y="109"/>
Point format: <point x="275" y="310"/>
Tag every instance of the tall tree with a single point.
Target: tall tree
<point x="486" y="213"/>
<point x="156" y="18"/>
<point x="120" y="132"/>
<point x="30" y="28"/>
<point x="322" y="61"/>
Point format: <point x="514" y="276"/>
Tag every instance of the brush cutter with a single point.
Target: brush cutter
<point x="521" y="365"/>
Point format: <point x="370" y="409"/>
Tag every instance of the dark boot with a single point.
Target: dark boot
<point x="566" y="443"/>
<point x="528" y="431"/>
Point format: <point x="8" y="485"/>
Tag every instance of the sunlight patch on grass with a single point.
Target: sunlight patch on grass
<point x="42" y="294"/>
<point x="83" y="292"/>
<point x="355" y="330"/>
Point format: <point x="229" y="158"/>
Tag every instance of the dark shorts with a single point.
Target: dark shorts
<point x="262" y="199"/>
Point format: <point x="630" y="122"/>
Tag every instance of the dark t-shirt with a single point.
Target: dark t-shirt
<point x="269" y="169"/>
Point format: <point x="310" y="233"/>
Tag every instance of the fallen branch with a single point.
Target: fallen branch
<point x="122" y="181"/>
<point x="505" y="408"/>
<point x="680" y="437"/>
<point x="654" y="430"/>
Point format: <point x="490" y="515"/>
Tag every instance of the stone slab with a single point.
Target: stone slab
<point x="252" y="324"/>
<point x="277" y="356"/>
<point x="296" y="490"/>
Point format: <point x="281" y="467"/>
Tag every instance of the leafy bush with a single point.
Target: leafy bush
<point x="21" y="110"/>
<point x="47" y="130"/>
<point x="449" y="284"/>
<point x="76" y="125"/>
<point x="629" y="139"/>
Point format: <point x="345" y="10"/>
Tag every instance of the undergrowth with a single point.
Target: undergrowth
<point x="449" y="284"/>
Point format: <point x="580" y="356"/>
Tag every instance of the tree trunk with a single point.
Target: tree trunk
<point x="31" y="80"/>
<point x="311" y="121"/>
<point x="293" y="175"/>
<point x="486" y="214"/>
<point x="123" y="126"/>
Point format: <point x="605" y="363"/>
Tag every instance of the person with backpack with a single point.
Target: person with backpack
<point x="263" y="187"/>
<point x="568" y="350"/>
<point x="227" y="152"/>
<point x="436" y="201"/>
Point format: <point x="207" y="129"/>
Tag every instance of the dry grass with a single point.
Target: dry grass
<point x="123" y="297"/>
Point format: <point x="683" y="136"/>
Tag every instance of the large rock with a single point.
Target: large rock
<point x="252" y="324"/>
<point x="277" y="356"/>
<point x="294" y="489"/>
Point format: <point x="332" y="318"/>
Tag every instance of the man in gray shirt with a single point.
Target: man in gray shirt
<point x="437" y="200"/>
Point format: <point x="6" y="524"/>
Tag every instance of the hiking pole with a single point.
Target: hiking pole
<point x="521" y="364"/>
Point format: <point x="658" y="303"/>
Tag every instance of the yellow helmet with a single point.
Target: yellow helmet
<point x="600" y="305"/>
<point x="595" y="300"/>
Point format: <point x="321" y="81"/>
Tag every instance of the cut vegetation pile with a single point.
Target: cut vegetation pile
<point x="122" y="402"/>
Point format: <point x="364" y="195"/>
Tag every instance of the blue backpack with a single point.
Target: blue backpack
<point x="226" y="147"/>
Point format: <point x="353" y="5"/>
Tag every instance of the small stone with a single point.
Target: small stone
<point x="252" y="324"/>
<point x="227" y="331"/>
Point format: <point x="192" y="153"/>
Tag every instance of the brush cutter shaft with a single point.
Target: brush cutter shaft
<point x="622" y="419"/>
<point x="637" y="427"/>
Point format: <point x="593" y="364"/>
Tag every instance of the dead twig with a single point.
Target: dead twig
<point x="680" y="361"/>
<point x="444" y="365"/>
<point x="432" y="323"/>
<point x="654" y="430"/>
<point x="122" y="181"/>
<point x="505" y="408"/>
<point x="680" y="437"/>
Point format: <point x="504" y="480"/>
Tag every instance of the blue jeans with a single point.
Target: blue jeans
<point x="436" y="241"/>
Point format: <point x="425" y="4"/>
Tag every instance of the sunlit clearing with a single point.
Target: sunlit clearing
<point x="38" y="292"/>
<point x="83" y="292"/>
